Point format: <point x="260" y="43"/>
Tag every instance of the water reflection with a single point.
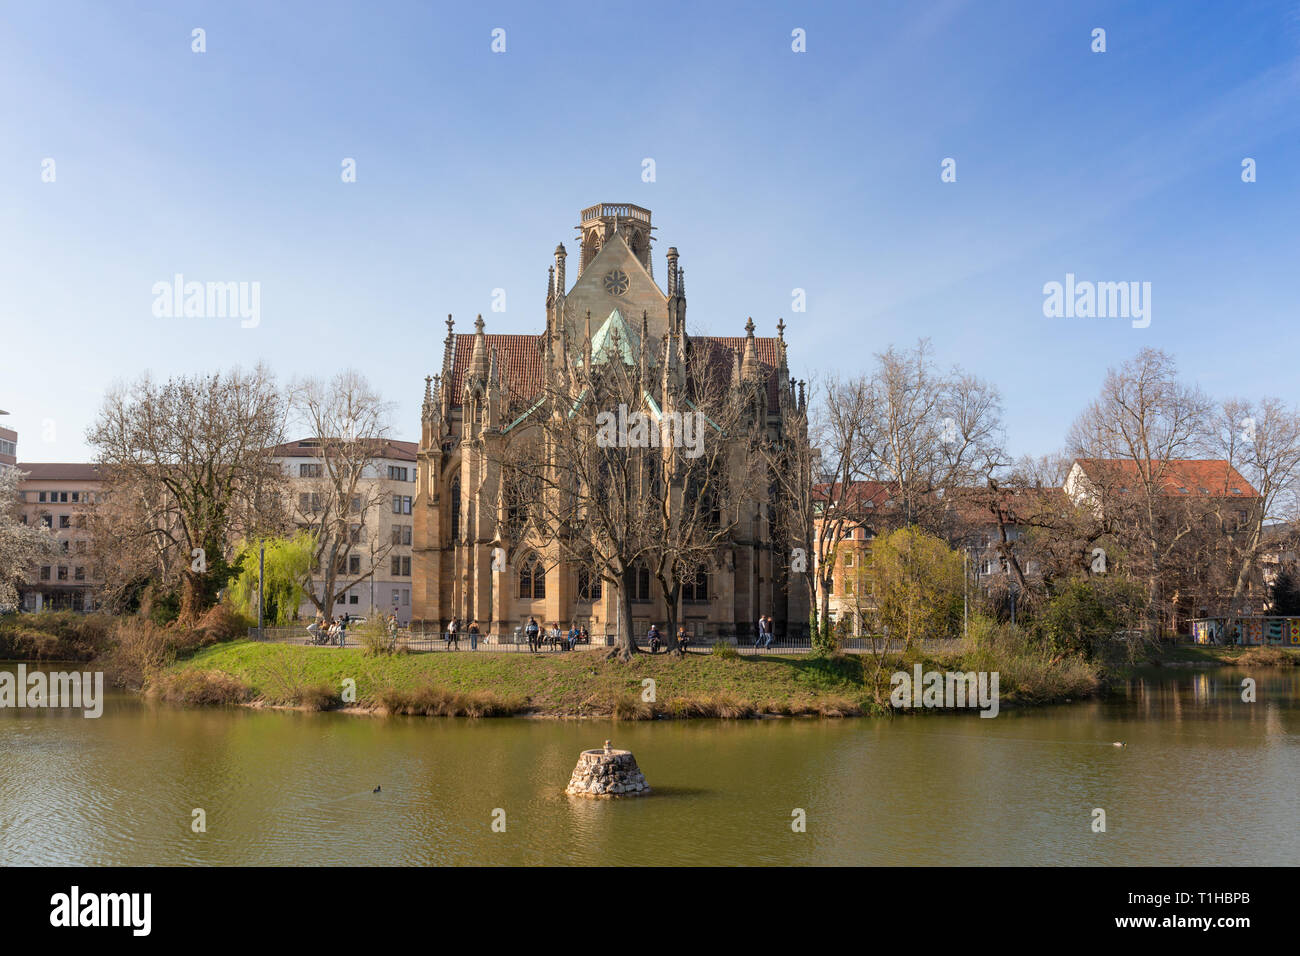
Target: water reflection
<point x="1205" y="778"/>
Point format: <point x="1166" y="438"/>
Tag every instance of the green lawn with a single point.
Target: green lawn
<point x="575" y="683"/>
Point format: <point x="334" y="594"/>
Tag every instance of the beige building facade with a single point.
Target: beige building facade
<point x="379" y="564"/>
<point x="613" y="310"/>
<point x="59" y="497"/>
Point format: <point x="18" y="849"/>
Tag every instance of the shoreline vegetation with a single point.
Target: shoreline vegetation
<point x="212" y="665"/>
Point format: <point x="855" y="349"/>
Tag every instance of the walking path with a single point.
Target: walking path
<point x="430" y="642"/>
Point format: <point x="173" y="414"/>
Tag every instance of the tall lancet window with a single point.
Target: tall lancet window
<point x="455" y="509"/>
<point x="532" y="579"/>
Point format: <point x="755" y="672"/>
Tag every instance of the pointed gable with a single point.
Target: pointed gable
<point x="615" y="339"/>
<point x="615" y="280"/>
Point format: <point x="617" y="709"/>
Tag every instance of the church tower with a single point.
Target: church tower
<point x="601" y="221"/>
<point x="472" y="560"/>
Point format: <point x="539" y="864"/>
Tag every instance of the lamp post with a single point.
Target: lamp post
<point x="965" y="592"/>
<point x="261" y="583"/>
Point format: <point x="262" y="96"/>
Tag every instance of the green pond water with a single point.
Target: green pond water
<point x="1205" y="779"/>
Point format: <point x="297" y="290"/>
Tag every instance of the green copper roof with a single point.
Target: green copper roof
<point x="614" y="333"/>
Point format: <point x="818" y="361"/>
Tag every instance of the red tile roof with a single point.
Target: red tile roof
<point x="60" y="471"/>
<point x="866" y="494"/>
<point x="719" y="359"/>
<point x="520" y="358"/>
<point x="389" y="448"/>
<point x="1204" y="478"/>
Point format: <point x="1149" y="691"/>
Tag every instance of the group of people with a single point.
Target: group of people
<point x="766" y="632"/>
<point x="451" y="636"/>
<point x="538" y="636"/>
<point x="680" y="642"/>
<point x="325" y="630"/>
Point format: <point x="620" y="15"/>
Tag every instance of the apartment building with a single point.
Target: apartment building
<point x="849" y="601"/>
<point x="378" y="567"/>
<point x="58" y="496"/>
<point x="8" y="445"/>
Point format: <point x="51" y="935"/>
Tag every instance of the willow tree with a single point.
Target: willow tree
<point x="916" y="583"/>
<point x="287" y="561"/>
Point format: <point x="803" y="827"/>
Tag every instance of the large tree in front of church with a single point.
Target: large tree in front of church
<point x="632" y="465"/>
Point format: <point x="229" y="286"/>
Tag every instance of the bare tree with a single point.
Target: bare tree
<point x="840" y="496"/>
<point x="340" y="504"/>
<point x="1144" y="423"/>
<point x="591" y="499"/>
<point x="1262" y="441"/>
<point x="703" y="490"/>
<point x="629" y="466"/>
<point x="132" y="543"/>
<point x="197" y="451"/>
<point x="931" y="433"/>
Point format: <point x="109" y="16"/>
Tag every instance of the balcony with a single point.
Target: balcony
<point x="621" y="210"/>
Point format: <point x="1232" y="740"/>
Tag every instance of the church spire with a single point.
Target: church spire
<point x="448" y="355"/>
<point x="645" y="344"/>
<point x="749" y="360"/>
<point x="478" y="363"/>
<point x="586" y="346"/>
<point x="782" y="364"/>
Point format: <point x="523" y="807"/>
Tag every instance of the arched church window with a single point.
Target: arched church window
<point x="696" y="586"/>
<point x="455" y="509"/>
<point x="532" y="579"/>
<point x="589" y="584"/>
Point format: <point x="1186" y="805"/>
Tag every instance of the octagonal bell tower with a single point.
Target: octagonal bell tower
<point x="599" y="223"/>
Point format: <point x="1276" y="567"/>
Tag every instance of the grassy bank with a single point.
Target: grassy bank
<point x="583" y="684"/>
<point x="55" y="636"/>
<point x="1232" y="655"/>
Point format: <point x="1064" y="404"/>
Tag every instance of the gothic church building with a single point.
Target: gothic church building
<point x="487" y="383"/>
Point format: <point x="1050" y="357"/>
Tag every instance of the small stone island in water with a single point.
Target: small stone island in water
<point x="607" y="773"/>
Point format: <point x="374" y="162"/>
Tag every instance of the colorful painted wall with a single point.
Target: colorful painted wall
<point x="1247" y="630"/>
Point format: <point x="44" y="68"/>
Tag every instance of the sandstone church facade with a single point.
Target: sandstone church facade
<point x="485" y="387"/>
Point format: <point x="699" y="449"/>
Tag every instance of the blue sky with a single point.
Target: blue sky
<point x="775" y="170"/>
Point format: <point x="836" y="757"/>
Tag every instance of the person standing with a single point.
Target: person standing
<point x="532" y="632"/>
<point x="452" y="639"/>
<point x="473" y="635"/>
<point x="758" y="638"/>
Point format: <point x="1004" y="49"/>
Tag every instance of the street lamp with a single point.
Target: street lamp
<point x="965" y="592"/>
<point x="261" y="583"/>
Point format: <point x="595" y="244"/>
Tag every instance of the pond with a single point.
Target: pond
<point x="1205" y="778"/>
